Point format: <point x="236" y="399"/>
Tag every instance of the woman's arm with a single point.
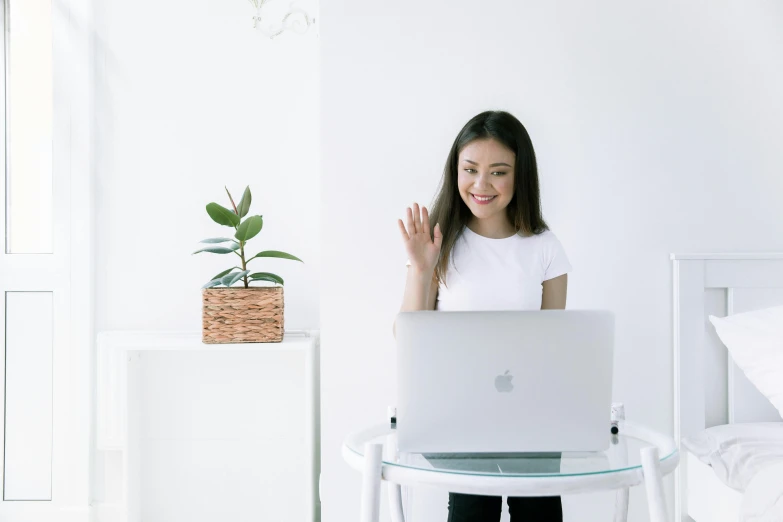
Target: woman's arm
<point x="554" y="294"/>
<point x="421" y="291"/>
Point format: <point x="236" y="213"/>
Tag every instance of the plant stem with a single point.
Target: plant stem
<point x="244" y="263"/>
<point x="241" y="243"/>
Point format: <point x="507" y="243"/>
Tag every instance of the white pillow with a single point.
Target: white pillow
<point x="755" y="342"/>
<point x="737" y="452"/>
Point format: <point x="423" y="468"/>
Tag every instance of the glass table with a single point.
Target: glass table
<point x="634" y="456"/>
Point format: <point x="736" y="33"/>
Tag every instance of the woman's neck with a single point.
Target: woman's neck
<point x="492" y="228"/>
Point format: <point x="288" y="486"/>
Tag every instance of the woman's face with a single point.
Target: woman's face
<point x="485" y="177"/>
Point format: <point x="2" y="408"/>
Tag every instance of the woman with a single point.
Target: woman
<point x="490" y="249"/>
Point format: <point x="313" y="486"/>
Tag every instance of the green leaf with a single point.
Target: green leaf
<point x="266" y="276"/>
<point x="230" y="279"/>
<point x="212" y="283"/>
<point x="244" y="203"/>
<point x="276" y="253"/>
<point x="224" y="272"/>
<point x="249" y="228"/>
<point x="222" y="215"/>
<point x="218" y="250"/>
<point x="216" y="240"/>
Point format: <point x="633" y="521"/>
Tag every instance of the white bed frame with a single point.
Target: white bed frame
<point x="708" y="388"/>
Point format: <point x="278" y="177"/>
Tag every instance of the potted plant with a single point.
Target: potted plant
<point x="241" y="314"/>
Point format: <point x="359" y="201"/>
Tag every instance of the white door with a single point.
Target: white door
<point x="44" y="326"/>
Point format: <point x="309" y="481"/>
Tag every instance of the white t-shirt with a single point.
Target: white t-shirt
<point x="500" y="274"/>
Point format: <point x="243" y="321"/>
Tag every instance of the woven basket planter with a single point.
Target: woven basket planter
<point x="243" y="315"/>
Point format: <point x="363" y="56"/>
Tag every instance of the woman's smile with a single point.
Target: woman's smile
<point x="482" y="200"/>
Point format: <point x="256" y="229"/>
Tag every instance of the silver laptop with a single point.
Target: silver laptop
<point x="504" y="381"/>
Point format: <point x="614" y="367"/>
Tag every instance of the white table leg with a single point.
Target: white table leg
<point x="394" y="490"/>
<point x="621" y="506"/>
<point x="371" y="483"/>
<point x="620" y="447"/>
<point x="395" y="502"/>
<point x="653" y="482"/>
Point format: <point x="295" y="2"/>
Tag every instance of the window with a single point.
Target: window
<point x="28" y="124"/>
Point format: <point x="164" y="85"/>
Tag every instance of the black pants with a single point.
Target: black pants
<point x="477" y="508"/>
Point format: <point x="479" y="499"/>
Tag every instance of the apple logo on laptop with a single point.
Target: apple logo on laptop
<point x="503" y="382"/>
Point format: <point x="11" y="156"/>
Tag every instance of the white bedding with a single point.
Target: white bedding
<point x="763" y="499"/>
<point x="737" y="452"/>
<point x="748" y="458"/>
<point x="709" y="499"/>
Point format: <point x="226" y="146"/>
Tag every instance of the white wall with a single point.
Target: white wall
<point x="656" y="126"/>
<point x="190" y="98"/>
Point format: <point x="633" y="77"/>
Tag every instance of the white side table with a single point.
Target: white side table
<point x="636" y="455"/>
<point x="117" y="351"/>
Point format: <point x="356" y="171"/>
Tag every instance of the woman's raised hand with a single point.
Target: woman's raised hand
<point x="423" y="250"/>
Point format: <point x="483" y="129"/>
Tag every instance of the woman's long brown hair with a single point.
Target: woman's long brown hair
<point x="524" y="209"/>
